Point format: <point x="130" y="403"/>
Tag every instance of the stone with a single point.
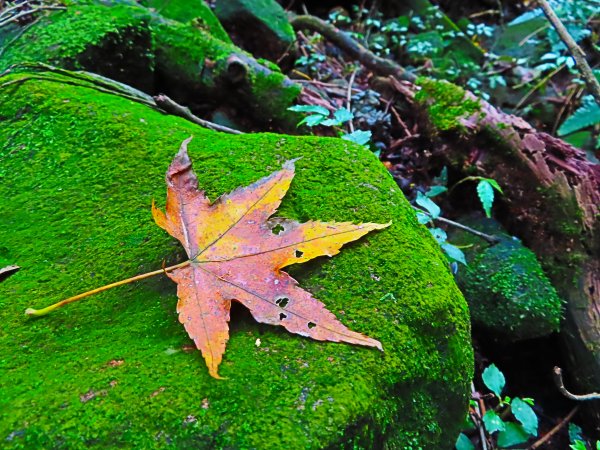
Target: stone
<point x="508" y="292"/>
<point x="79" y="172"/>
<point x="262" y="26"/>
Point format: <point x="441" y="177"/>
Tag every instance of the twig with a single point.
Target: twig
<point x="172" y="107"/>
<point x="29" y="12"/>
<point x="558" y="380"/>
<point x="49" y="309"/>
<point x="487" y="237"/>
<point x="354" y="49"/>
<point x="107" y="86"/>
<point x="575" y="50"/>
<point x="553" y="431"/>
<point x="481" y="413"/>
<point x="349" y="98"/>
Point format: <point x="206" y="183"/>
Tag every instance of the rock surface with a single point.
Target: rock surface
<point x="79" y="172"/>
<point x="508" y="292"/>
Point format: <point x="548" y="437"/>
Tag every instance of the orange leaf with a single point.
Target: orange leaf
<point x="236" y="253"/>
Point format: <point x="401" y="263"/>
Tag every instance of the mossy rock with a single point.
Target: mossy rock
<point x="134" y="45"/>
<point x="79" y="172"/>
<point x="115" y="42"/>
<point x="508" y="292"/>
<point x="186" y="11"/>
<point x="262" y="25"/>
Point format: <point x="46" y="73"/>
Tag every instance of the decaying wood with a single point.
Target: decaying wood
<point x="553" y="205"/>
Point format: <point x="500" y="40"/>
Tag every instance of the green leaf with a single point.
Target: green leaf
<point x="513" y="434"/>
<point x="463" y="443"/>
<point x="423" y="218"/>
<point x="343" y="115"/>
<point x="493" y="422"/>
<point x="311" y="121"/>
<point x="435" y="190"/>
<point x="454" y="253"/>
<point x="579" y="445"/>
<point x="424" y="202"/>
<point x="586" y="115"/>
<point x="493" y="379"/>
<point x="439" y="235"/>
<point x="575" y="432"/>
<point x="494" y="184"/>
<point x="310" y="109"/>
<point x="485" y="191"/>
<point x="525" y="414"/>
<point x="358" y="137"/>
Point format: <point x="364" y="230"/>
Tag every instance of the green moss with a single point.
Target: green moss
<point x="79" y="172"/>
<point x="446" y="103"/>
<point x="266" y="13"/>
<point x="115" y="42"/>
<point x="506" y="288"/>
<point x="185" y="11"/>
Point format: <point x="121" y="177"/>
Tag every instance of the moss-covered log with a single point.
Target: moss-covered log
<point x="79" y="171"/>
<point x="553" y="205"/>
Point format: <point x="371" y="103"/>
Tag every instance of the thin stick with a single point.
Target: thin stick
<point x="49" y="309"/>
<point x="487" y="237"/>
<point x="558" y="380"/>
<point x="553" y="431"/>
<point x="349" y="98"/>
<point x="574" y="49"/>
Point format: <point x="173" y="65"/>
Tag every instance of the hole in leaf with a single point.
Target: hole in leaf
<point x="277" y="229"/>
<point x="311" y="325"/>
<point x="299" y="253"/>
<point x="282" y="302"/>
<point x="282" y="316"/>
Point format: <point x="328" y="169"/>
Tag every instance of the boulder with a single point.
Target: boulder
<point x="261" y="25"/>
<point x="79" y="172"/>
<point x="507" y="290"/>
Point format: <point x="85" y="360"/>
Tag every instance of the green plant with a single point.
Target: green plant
<point x="485" y="191"/>
<point x="508" y="422"/>
<point x="320" y="115"/>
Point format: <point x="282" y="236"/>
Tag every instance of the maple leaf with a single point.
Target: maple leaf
<point x="236" y="252"/>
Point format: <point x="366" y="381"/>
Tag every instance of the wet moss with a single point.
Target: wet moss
<point x="79" y="172"/>
<point x="197" y="12"/>
<point x="507" y="290"/>
<point x="446" y="103"/>
<point x="114" y="42"/>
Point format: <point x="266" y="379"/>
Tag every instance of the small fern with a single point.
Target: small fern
<point x="586" y="115"/>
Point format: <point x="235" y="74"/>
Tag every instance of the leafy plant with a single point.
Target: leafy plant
<point x="320" y="115"/>
<point x="432" y="211"/>
<point x="485" y="191"/>
<point x="511" y="421"/>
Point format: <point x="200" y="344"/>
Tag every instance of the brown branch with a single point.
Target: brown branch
<point x="576" y="51"/>
<point x="553" y="431"/>
<point x="174" y="108"/>
<point x="558" y="380"/>
<point x="377" y="64"/>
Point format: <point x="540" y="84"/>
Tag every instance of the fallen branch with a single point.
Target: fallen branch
<point x="561" y="387"/>
<point x="377" y="64"/>
<point x="553" y="431"/>
<point x="575" y="50"/>
<point x="172" y="107"/>
<point x="487" y="237"/>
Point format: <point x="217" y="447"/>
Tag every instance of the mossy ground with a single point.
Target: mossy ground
<point x="79" y="172"/>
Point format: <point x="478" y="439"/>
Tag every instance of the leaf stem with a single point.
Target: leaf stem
<point x="49" y="309"/>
